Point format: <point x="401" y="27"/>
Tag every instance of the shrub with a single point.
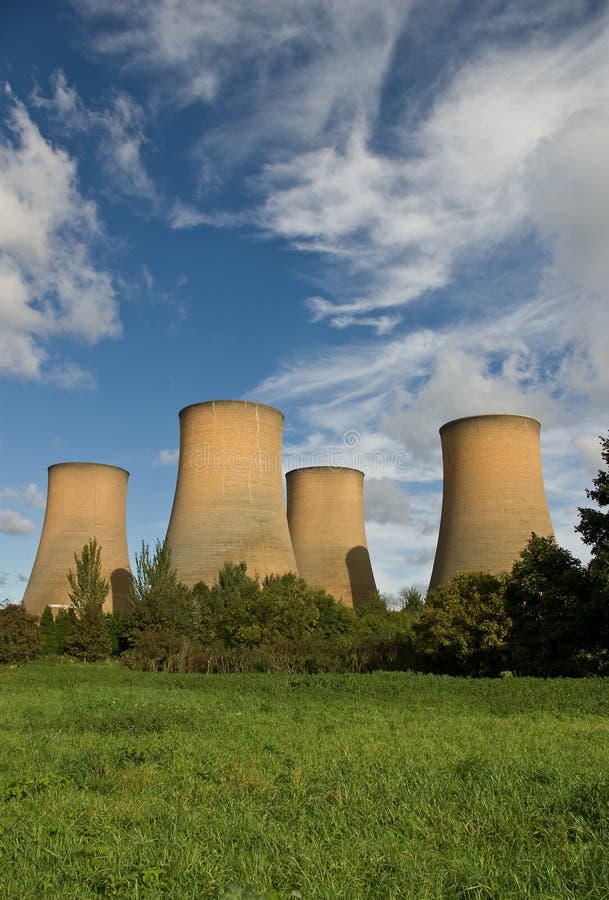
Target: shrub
<point x="20" y="637"/>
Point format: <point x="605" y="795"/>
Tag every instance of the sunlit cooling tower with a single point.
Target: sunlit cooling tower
<point x="493" y="494"/>
<point x="326" y="519"/>
<point x="229" y="504"/>
<point x="84" y="500"/>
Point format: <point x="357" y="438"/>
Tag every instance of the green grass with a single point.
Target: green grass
<point x="127" y="784"/>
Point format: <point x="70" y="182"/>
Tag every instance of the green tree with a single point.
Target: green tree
<point x="464" y="627"/>
<point x="594" y="523"/>
<point x="159" y="600"/>
<point x="20" y="637"/>
<point x="88" y="590"/>
<point x="65" y="626"/>
<point x="594" y="529"/>
<point x="546" y="598"/>
<point x="412" y="602"/>
<point x="48" y="632"/>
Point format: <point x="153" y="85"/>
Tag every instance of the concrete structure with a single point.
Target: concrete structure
<point x="229" y="504"/>
<point x="326" y="519"/>
<point x="84" y="500"/>
<point x="493" y="494"/>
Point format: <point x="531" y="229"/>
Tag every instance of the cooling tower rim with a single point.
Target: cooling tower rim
<point x="325" y="469"/>
<point x="79" y="463"/>
<point x="454" y="422"/>
<point x="226" y="403"/>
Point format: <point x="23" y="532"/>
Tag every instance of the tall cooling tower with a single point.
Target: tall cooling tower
<point x="326" y="519"/>
<point x="493" y="494"/>
<point x="229" y="504"/>
<point x="84" y="500"/>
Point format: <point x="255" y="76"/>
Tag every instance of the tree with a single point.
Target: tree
<point x="546" y="600"/>
<point x="65" y="626"/>
<point x="88" y="590"/>
<point x="48" y="632"/>
<point x="594" y="529"/>
<point x="463" y="628"/>
<point x="594" y="523"/>
<point x="158" y="598"/>
<point x="20" y="638"/>
<point x="412" y="602"/>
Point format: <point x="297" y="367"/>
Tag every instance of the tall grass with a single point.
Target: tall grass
<point x="390" y="785"/>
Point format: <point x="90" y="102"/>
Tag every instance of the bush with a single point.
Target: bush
<point x="464" y="627"/>
<point x="20" y="637"/>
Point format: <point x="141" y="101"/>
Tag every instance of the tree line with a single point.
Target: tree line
<point x="549" y="616"/>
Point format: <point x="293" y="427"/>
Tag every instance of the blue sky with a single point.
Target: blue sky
<point x="376" y="217"/>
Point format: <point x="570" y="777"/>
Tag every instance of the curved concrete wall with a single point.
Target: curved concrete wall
<point x="229" y="504"/>
<point x="84" y="500"/>
<point x="326" y="519"/>
<point x="493" y="495"/>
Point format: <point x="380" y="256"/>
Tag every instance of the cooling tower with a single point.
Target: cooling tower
<point x="493" y="494"/>
<point x="84" y="500"/>
<point x="326" y="519"/>
<point x="228" y="504"/>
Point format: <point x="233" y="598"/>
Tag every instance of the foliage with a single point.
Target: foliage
<point x="50" y="644"/>
<point x="463" y="629"/>
<point x="158" y="598"/>
<point x="20" y="638"/>
<point x="65" y="626"/>
<point x="594" y="523"/>
<point x="594" y="529"/>
<point x="88" y="590"/>
<point x="119" y="627"/>
<point x="547" y="600"/>
<point x="412" y="602"/>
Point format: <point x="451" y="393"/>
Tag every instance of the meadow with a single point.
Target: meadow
<point x="115" y="783"/>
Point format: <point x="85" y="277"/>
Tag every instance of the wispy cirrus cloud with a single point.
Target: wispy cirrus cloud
<point x="118" y="127"/>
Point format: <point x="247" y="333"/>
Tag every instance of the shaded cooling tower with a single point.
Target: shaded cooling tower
<point x="229" y="504"/>
<point x="493" y="495"/>
<point x="84" y="500"/>
<point x="326" y="519"/>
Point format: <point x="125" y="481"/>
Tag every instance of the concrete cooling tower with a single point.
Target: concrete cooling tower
<point x="326" y="519"/>
<point x="229" y="504"/>
<point x="84" y="500"/>
<point x="493" y="494"/>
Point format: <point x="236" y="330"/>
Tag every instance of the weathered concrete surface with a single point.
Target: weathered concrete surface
<point x="326" y="519"/>
<point x="493" y="495"/>
<point x="84" y="500"/>
<point x="229" y="504"/>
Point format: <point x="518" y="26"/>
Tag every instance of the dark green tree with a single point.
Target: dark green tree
<point x="20" y="637"/>
<point x="464" y="627"/>
<point x="48" y="632"/>
<point x="159" y="600"/>
<point x="546" y="598"/>
<point x="594" y="523"/>
<point x="412" y="602"/>
<point x="65" y="626"/>
<point x="88" y="590"/>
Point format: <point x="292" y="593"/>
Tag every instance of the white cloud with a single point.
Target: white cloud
<point x="306" y="62"/>
<point x="168" y="457"/>
<point x="12" y="523"/>
<point x="118" y="127"/>
<point x="49" y="284"/>
<point x="29" y="495"/>
<point x="34" y="496"/>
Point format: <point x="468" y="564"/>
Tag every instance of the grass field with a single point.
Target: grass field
<point x="127" y="784"/>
